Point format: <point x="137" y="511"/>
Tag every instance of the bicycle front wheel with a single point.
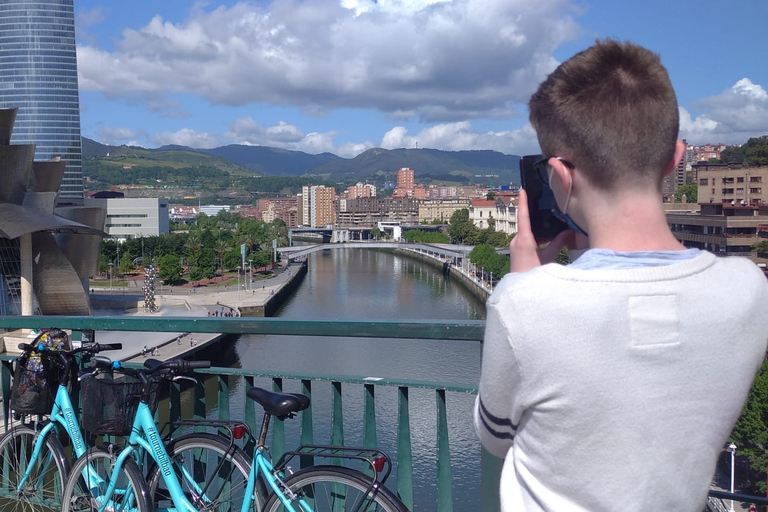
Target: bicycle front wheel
<point x="212" y="476"/>
<point x="44" y="485"/>
<point x="335" y="489"/>
<point x="87" y="487"/>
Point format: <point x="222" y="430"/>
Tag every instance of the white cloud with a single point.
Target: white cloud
<point x="187" y="137"/>
<point x="732" y="116"/>
<point x="437" y="60"/>
<point x="284" y="135"/>
<point x="115" y="135"/>
<point x="460" y="136"/>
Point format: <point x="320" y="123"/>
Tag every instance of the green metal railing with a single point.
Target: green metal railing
<point x="470" y="331"/>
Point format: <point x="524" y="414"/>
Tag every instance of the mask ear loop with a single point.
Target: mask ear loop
<point x="570" y="187"/>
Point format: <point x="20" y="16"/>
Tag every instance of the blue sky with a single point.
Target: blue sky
<point x="344" y="76"/>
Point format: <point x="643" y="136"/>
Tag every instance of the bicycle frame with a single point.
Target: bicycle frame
<point x="261" y="463"/>
<point x="63" y="413"/>
<point x="144" y="434"/>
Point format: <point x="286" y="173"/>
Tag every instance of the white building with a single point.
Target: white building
<point x="506" y="215"/>
<point x="480" y="210"/>
<point x="129" y="217"/>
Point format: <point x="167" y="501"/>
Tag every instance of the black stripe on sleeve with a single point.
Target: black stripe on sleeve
<point x="499" y="424"/>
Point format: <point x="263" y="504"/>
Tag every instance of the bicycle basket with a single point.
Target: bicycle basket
<point x="35" y="380"/>
<point x="109" y="405"/>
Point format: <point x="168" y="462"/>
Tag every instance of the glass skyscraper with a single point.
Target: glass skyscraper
<point x="38" y="74"/>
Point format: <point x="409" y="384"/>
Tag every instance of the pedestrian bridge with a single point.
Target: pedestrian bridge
<point x="449" y="252"/>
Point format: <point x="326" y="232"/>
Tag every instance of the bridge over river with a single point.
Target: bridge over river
<point x="454" y="253"/>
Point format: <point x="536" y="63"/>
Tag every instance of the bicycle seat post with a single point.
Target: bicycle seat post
<point x="264" y="428"/>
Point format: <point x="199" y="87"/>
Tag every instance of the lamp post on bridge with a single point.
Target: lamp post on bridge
<point x="732" y="449"/>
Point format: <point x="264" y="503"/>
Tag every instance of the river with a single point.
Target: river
<point x="361" y="284"/>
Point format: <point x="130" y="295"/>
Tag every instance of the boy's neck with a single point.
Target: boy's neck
<point x="630" y="221"/>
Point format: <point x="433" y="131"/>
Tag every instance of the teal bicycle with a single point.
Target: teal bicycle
<point x="33" y="462"/>
<point x="109" y="478"/>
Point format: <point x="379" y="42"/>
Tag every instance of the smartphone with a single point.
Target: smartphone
<point x="544" y="224"/>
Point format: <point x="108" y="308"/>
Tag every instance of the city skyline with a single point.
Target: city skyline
<point x="324" y="75"/>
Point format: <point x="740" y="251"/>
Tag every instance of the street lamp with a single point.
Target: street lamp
<point x="111" y="265"/>
<point x="732" y="449"/>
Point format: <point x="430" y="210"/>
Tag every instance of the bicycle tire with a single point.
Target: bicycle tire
<point x="335" y="488"/>
<point x="83" y="493"/>
<point x="200" y="454"/>
<point x="44" y="487"/>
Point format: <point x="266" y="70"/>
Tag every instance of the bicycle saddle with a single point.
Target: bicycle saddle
<point x="282" y="405"/>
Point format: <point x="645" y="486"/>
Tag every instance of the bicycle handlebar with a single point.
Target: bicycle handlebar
<point x="93" y="348"/>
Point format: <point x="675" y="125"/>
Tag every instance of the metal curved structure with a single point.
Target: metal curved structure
<point x="60" y="249"/>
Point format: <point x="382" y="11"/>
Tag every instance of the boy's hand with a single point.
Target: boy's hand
<point x="524" y="252"/>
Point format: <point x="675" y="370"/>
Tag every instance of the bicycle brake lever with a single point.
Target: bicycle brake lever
<point x="184" y="377"/>
<point x="88" y="375"/>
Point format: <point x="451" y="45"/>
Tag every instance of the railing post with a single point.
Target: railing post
<point x="223" y="400"/>
<point x="278" y="427"/>
<point x="6" y="371"/>
<point x="307" y="434"/>
<point x="369" y="413"/>
<point x="490" y="479"/>
<point x="404" y="454"/>
<point x="369" y="421"/>
<point x="249" y="411"/>
<point x="444" y="478"/>
<point x="198" y="412"/>
<point x="174" y="396"/>
<point x="337" y="419"/>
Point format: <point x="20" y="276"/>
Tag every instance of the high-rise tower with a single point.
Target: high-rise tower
<point x="38" y="75"/>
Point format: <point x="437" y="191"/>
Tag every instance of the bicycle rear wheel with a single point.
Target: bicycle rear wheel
<point x="335" y="489"/>
<point x="212" y="477"/>
<point x="44" y="487"/>
<point x="86" y="490"/>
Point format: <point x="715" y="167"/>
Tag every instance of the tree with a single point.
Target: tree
<point x="760" y="247"/>
<point x="376" y="233"/>
<point x="460" y="228"/>
<point x="751" y="430"/>
<point x="193" y="245"/>
<point x="221" y="247"/>
<point x="756" y="151"/>
<point x="691" y="192"/>
<point x="732" y="154"/>
<point x="169" y="269"/>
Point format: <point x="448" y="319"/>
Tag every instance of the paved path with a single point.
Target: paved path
<point x="200" y="301"/>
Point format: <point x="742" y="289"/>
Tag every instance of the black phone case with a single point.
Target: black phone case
<point x="544" y="224"/>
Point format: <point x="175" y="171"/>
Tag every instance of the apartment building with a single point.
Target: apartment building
<point x="440" y="209"/>
<point x="369" y="211"/>
<point x="316" y="206"/>
<point x="283" y="208"/>
<point x="405" y="178"/>
<point x="361" y="190"/>
<point x="734" y="211"/>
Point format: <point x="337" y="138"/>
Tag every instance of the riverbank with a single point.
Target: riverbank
<point x="475" y="286"/>
<point x="258" y="298"/>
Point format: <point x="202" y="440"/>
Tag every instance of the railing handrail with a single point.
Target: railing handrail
<point x="467" y="330"/>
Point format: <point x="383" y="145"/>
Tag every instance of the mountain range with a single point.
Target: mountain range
<point x="282" y="162"/>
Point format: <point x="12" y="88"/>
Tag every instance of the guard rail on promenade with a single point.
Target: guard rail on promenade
<point x="468" y="330"/>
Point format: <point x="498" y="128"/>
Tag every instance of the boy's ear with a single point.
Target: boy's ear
<point x="561" y="174"/>
<point x="679" y="152"/>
